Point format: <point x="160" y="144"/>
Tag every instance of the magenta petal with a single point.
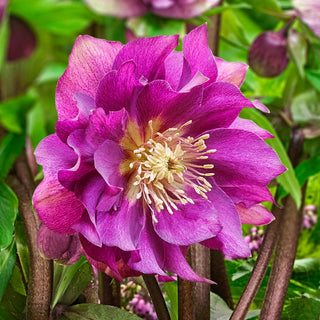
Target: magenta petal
<point x="242" y="158"/>
<point x="229" y="240"/>
<point x="88" y="230"/>
<point x="232" y="72"/>
<point x="257" y="214"/>
<point x="175" y="262"/>
<point x="249" y="194"/>
<point x="148" y="54"/>
<point x="249" y="125"/>
<point x="105" y="127"/>
<point x="176" y="70"/>
<point x="121" y="228"/>
<point x="157" y="99"/>
<point x="116" y="88"/>
<point x="221" y="105"/>
<point x="89" y="191"/>
<point x="53" y="155"/>
<point x="102" y="257"/>
<point x="89" y="61"/>
<point x="107" y="160"/>
<point x="199" y="55"/>
<point x="85" y="105"/>
<point x="151" y="251"/>
<point x="57" y="207"/>
<point x="191" y="223"/>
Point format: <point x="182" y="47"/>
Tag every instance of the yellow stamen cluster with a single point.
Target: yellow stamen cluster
<point x="166" y="164"/>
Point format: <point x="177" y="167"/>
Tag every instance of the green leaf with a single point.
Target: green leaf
<point x="63" y="278"/>
<point x="305" y="107"/>
<point x="271" y="7"/>
<point x="22" y="248"/>
<point x="4" y="32"/>
<point x="297" y="46"/>
<point x="10" y="148"/>
<point x="7" y="261"/>
<point x="303" y="309"/>
<point x="151" y="26"/>
<point x="8" y="213"/>
<point x="288" y="179"/>
<point x="51" y="73"/>
<point x="232" y="30"/>
<point x="171" y="290"/>
<point x="58" y="18"/>
<point x="314" y="77"/>
<point x="13" y="113"/>
<point x="89" y="311"/>
<point x="16" y="281"/>
<point x="307" y="272"/>
<point x="13" y="305"/>
<point x="79" y="282"/>
<point x="219" y="310"/>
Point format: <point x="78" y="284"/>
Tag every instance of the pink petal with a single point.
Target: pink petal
<point x="232" y="72"/>
<point x="257" y="214"/>
<point x="89" y="61"/>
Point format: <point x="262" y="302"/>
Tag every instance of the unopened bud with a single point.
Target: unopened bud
<point x="22" y="41"/>
<point x="268" y="54"/>
<point x="57" y="246"/>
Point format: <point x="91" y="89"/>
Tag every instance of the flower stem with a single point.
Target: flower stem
<point x="219" y="275"/>
<point x="288" y="228"/>
<point x="41" y="270"/>
<point x="109" y="290"/>
<point x="283" y="262"/>
<point x="157" y="297"/>
<point x="259" y="269"/>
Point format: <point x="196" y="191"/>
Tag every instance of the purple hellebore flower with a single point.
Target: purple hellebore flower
<point x="309" y="12"/>
<point x="150" y="156"/>
<point x="180" y="9"/>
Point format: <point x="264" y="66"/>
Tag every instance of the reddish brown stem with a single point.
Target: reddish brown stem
<point x="40" y="273"/>
<point x="283" y="262"/>
<point x="220" y="277"/>
<point x="259" y="269"/>
<point x="157" y="297"/>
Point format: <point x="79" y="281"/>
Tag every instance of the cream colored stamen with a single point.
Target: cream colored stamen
<point x="166" y="164"/>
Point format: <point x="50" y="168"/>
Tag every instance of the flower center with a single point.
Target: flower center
<point x="167" y="164"/>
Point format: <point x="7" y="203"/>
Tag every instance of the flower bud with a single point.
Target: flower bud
<point x="22" y="41"/>
<point x="56" y="246"/>
<point x="268" y="54"/>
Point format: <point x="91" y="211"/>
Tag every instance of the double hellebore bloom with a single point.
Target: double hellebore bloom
<point x="181" y="9"/>
<point x="150" y="156"/>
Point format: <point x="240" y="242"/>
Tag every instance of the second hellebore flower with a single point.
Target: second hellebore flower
<point x="150" y="156"/>
<point x="180" y="9"/>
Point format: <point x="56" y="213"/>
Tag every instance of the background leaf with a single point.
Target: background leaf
<point x="88" y="311"/>
<point x="8" y="213"/>
<point x="7" y="261"/>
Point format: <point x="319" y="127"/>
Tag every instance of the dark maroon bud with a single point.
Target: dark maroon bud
<point x="268" y="54"/>
<point x="22" y="40"/>
<point x="57" y="246"/>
